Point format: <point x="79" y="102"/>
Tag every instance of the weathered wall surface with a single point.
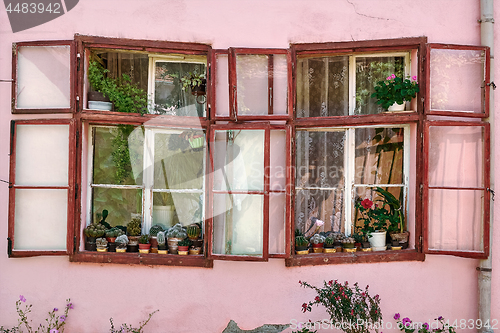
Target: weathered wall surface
<point x="204" y="300"/>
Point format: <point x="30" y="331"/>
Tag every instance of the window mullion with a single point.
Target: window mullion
<point x="352" y="84"/>
<point x="349" y="178"/>
<point x="148" y="179"/>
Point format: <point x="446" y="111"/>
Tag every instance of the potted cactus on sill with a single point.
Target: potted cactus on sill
<point x="144" y="244"/>
<point x="183" y="246"/>
<point x="162" y="246"/>
<point x="329" y="246"/>
<point x="301" y="245"/>
<point x="133" y="233"/>
<point x="121" y="243"/>
<point x="101" y="244"/>
<point x="174" y="236"/>
<point x="92" y="232"/>
<point x="153" y="232"/>
<point x="317" y="243"/>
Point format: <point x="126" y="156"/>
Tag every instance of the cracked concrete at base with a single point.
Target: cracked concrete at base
<point x="232" y="327"/>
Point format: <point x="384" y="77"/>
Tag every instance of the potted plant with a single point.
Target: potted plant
<point x="358" y="240"/>
<point x="194" y="232"/>
<point x="301" y="245"/>
<point x="144" y="244"/>
<point x="183" y="246"/>
<point x="153" y="232"/>
<point x="93" y="231"/>
<point x="395" y="90"/>
<point x="101" y="244"/>
<point x="121" y="243"/>
<point x="378" y="217"/>
<point x="162" y="246"/>
<point x="134" y="232"/>
<point x="317" y="243"/>
<point x="328" y="246"/>
<point x="348" y="244"/>
<point x="174" y="236"/>
<point x="111" y="235"/>
<point x="196" y="82"/>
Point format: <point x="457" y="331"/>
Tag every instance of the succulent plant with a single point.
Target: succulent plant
<point x="95" y="230"/>
<point x="317" y="239"/>
<point x="134" y="227"/>
<point x="101" y="242"/>
<point x="193" y="231"/>
<point x="301" y="241"/>
<point x="155" y="229"/>
<point x="160" y="237"/>
<point x="298" y="233"/>
<point x="185" y="242"/>
<point x="177" y="231"/>
<point x="348" y="240"/>
<point x="329" y="240"/>
<point x="114" y="232"/>
<point x="121" y="241"/>
<point x="144" y="239"/>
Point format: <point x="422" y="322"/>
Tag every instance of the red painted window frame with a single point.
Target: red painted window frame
<point x="73" y="62"/>
<point x="485" y="188"/>
<point x="486" y="91"/>
<point x="70" y="187"/>
<point x="233" y="83"/>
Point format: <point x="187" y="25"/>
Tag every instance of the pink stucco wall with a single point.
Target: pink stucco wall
<point x="204" y="300"/>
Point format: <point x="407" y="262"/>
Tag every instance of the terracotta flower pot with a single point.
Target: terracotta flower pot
<point x="144" y="248"/>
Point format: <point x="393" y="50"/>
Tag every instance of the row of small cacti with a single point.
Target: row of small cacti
<point x="326" y="238"/>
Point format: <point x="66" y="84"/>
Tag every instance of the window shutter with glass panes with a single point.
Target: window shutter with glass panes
<point x="43" y="77"/>
<point x="42" y="197"/>
<point x="457" y="152"/>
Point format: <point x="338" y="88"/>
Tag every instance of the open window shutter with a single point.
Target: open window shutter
<point x="239" y="177"/>
<point x="42" y="75"/>
<point x="458" y="80"/>
<point x="259" y="84"/>
<point x="457" y="151"/>
<point x="42" y="190"/>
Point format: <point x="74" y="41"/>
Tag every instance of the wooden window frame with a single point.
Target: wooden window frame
<point x="70" y="241"/>
<point x="233" y="84"/>
<point x="485" y="189"/>
<point x="72" y="71"/>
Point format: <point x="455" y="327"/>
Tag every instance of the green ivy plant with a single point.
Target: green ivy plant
<point x="126" y="96"/>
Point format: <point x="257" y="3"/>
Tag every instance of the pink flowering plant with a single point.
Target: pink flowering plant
<point x="438" y="326"/>
<point x="395" y="90"/>
<point x="350" y="308"/>
<point x="54" y="323"/>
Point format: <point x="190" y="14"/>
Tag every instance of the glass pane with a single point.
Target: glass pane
<point x="121" y="78"/>
<point x="41" y="219"/>
<point x="170" y="96"/>
<point x="277" y="170"/>
<point x="42" y="155"/>
<point x="379" y="156"/>
<point x="456" y="156"/>
<point x="277" y="214"/>
<point x="457" y="80"/>
<point x="239" y="160"/>
<point x="369" y="71"/>
<point x="326" y="205"/>
<point x="43" y="77"/>
<point x="222" y="84"/>
<point x="280" y="84"/>
<point x="118" y="155"/>
<point x="323" y="86"/>
<point x="120" y="204"/>
<point x="179" y="159"/>
<point x="362" y="193"/>
<point x="238" y="224"/>
<point x="456" y="220"/>
<point x="320" y="159"/>
<point x="253" y="81"/>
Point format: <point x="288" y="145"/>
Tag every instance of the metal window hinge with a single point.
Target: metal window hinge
<point x="486" y="20"/>
<point x="9" y="247"/>
<point x="492" y="193"/>
<point x="492" y="84"/>
<point x="77" y="103"/>
<point x="78" y="59"/>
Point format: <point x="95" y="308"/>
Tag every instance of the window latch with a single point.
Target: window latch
<point x="492" y="84"/>
<point x="492" y="193"/>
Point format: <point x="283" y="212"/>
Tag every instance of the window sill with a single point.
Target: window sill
<point x="354" y="258"/>
<point x="142" y="259"/>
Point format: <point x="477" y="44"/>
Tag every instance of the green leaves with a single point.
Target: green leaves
<point x="395" y="90"/>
